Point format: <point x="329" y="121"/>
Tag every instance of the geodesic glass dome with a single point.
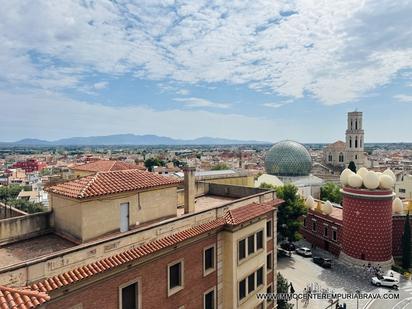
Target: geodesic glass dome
<point x="288" y="158"/>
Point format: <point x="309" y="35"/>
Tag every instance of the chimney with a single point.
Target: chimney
<point x="189" y="188"/>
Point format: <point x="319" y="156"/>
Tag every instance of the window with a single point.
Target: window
<point x="402" y="190"/>
<point x="242" y="249"/>
<point x="128" y="296"/>
<point x="269" y="228"/>
<point x="251" y="244"/>
<point x="259" y="240"/>
<point x="356" y="142"/>
<point x="175" y="277"/>
<point x="325" y="231"/>
<point x="209" y="299"/>
<point x="350" y="142"/>
<point x="314" y="226"/>
<point x="242" y="289"/>
<point x="269" y="291"/>
<point x="251" y="283"/>
<point x="334" y="235"/>
<point x="269" y="261"/>
<point x="208" y="260"/>
<point x="304" y="221"/>
<point x="341" y="157"/>
<point x="330" y="157"/>
<point x="356" y="157"/>
<point x="259" y="277"/>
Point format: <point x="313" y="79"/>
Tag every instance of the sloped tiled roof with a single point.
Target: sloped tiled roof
<point x="106" y="166"/>
<point x="104" y="183"/>
<point x="245" y="213"/>
<point x="11" y="298"/>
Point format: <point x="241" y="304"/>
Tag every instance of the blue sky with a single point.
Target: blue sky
<point x="263" y="70"/>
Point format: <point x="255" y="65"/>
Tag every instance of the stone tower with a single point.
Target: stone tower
<point x="354" y="140"/>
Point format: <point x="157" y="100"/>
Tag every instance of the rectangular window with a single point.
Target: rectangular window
<point x="242" y="249"/>
<point x="251" y="283"/>
<point x="209" y="300"/>
<point x="304" y="221"/>
<point x="269" y="261"/>
<point x="175" y="277"/>
<point x="259" y="240"/>
<point x="209" y="260"/>
<point x="129" y="296"/>
<point x="251" y="244"/>
<point x="269" y="228"/>
<point x="259" y="277"/>
<point x="325" y="231"/>
<point x="402" y="190"/>
<point x="242" y="289"/>
<point x="334" y="235"/>
<point x="314" y="226"/>
<point x="269" y="291"/>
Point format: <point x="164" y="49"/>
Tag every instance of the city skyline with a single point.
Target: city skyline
<point x="253" y="71"/>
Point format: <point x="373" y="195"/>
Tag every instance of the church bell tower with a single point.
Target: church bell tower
<point x="354" y="140"/>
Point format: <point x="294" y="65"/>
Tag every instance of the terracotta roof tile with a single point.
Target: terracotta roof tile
<point x="107" y="166"/>
<point x="248" y="212"/>
<point x="11" y="298"/>
<point x="104" y="183"/>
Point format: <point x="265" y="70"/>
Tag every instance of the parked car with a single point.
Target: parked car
<point x="304" y="251"/>
<point x="324" y="262"/>
<point x="283" y="252"/>
<point x="288" y="246"/>
<point x="385" y="281"/>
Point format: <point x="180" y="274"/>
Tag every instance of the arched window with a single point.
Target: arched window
<point x="330" y="157"/>
<point x="356" y="157"/>
<point x="341" y="157"/>
<point x="356" y="124"/>
<point x="356" y="142"/>
<point x="360" y="142"/>
<point x="350" y="141"/>
<point x="351" y="124"/>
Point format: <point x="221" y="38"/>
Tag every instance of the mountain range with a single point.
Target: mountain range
<point x="129" y="139"/>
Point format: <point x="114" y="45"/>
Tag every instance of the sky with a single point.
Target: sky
<point x="250" y="70"/>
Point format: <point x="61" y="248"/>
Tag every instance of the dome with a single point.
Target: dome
<point x="288" y="158"/>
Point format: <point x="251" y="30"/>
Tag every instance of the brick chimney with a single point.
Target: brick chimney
<point x="189" y="188"/>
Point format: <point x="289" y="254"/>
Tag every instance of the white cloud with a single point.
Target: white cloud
<point x="183" y="91"/>
<point x="100" y="85"/>
<point x="403" y="98"/>
<point x="199" y="102"/>
<point x="336" y="51"/>
<point x="277" y="104"/>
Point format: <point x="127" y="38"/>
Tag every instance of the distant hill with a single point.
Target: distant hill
<point x="130" y="139"/>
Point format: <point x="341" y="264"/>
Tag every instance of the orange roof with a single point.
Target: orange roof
<point x="11" y="298"/>
<point x="106" y="166"/>
<point x="248" y="212"/>
<point x="83" y="272"/>
<point x="104" y="183"/>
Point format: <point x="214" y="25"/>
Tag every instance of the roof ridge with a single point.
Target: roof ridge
<point x="114" y="162"/>
<point x="87" y="186"/>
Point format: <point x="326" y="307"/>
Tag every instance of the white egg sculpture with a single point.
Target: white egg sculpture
<point x="386" y="182"/>
<point x="355" y="181"/>
<point x="378" y="173"/>
<point x="390" y="173"/>
<point x="327" y="208"/>
<point x="397" y="206"/>
<point x="371" y="180"/>
<point x="344" y="176"/>
<point x="362" y="172"/>
<point x="310" y="202"/>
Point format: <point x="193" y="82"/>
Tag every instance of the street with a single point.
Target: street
<point x="302" y="272"/>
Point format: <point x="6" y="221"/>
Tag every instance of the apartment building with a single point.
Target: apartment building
<point x="118" y="240"/>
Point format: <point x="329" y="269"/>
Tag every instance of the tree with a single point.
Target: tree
<point x="290" y="212"/>
<point x="151" y="162"/>
<point x="352" y="166"/>
<point x="220" y="166"/>
<point x="331" y="192"/>
<point x="406" y="244"/>
<point x="282" y="288"/>
<point x="265" y="185"/>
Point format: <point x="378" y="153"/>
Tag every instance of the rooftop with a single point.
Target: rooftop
<point x="21" y="298"/>
<point x="106" y="166"/>
<point x="104" y="183"/>
<point x="28" y="249"/>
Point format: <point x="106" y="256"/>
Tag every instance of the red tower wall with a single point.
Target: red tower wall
<point x="367" y="224"/>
